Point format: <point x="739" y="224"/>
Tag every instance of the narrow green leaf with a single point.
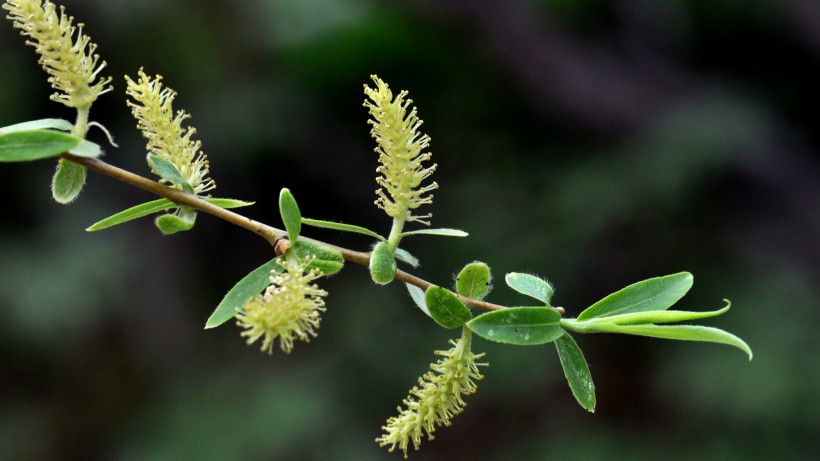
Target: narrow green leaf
<point x="327" y="260"/>
<point x="341" y="227"/>
<point x="519" y="325"/>
<point x="641" y="318"/>
<point x="87" y="149"/>
<point x="170" y="224"/>
<point x="382" y="264"/>
<point x="23" y="146"/>
<point x="42" y="124"/>
<point x="577" y="371"/>
<point x="445" y="307"/>
<point x="474" y="280"/>
<point x="250" y="286"/>
<point x="405" y="257"/>
<point x="132" y="213"/>
<point x="530" y="285"/>
<point x="418" y="297"/>
<point x="655" y="294"/>
<point x="679" y="332"/>
<point x="291" y="216"/>
<point x="167" y="171"/>
<point x="228" y="203"/>
<point x="443" y="232"/>
<point x="68" y="182"/>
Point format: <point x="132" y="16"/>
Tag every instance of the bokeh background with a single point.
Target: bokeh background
<point x="593" y="142"/>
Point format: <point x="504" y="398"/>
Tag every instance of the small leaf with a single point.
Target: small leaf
<point x="530" y="285"/>
<point x="250" y="286"/>
<point x="405" y="257"/>
<point x="291" y="216"/>
<point x="655" y="294"/>
<point x="680" y="332"/>
<point x="87" y="149"/>
<point x="22" y="146"/>
<point x="132" y="213"/>
<point x="42" y="124"/>
<point x="382" y="264"/>
<point x="577" y="371"/>
<point x="167" y="171"/>
<point x="326" y="260"/>
<point x="228" y="203"/>
<point x="518" y="325"/>
<point x="341" y="227"/>
<point x="418" y="297"/>
<point x="68" y="181"/>
<point x="443" y="232"/>
<point x="170" y="224"/>
<point x="445" y="307"/>
<point x="474" y="280"/>
<point x="156" y="206"/>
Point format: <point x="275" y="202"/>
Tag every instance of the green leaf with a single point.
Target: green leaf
<point x="382" y="264"/>
<point x="87" y="149"/>
<point x="170" y="224"/>
<point x="680" y="332"/>
<point x="23" y="146"/>
<point x="655" y="294"/>
<point x="418" y="297"/>
<point x="250" y="286"/>
<point x="291" y="216"/>
<point x="474" y="280"/>
<point x="530" y="285"/>
<point x="341" y="227"/>
<point x="405" y="257"/>
<point x="518" y="325"/>
<point x="42" y="124"/>
<point x="167" y="171"/>
<point x="228" y="203"/>
<point x="443" y="232"/>
<point x="445" y="307"/>
<point x="641" y="318"/>
<point x="156" y="206"/>
<point x="132" y="213"/>
<point x="577" y="371"/>
<point x="68" y="181"/>
<point x="326" y="260"/>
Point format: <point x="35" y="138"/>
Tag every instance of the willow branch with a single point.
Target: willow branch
<point x="269" y="233"/>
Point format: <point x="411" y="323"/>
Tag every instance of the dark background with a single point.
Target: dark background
<point x="593" y="142"/>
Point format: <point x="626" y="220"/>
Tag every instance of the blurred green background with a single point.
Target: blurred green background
<point x="595" y="143"/>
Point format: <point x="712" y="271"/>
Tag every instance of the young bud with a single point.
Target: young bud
<point x="382" y="264"/>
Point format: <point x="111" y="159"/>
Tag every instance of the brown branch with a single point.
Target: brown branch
<point x="269" y="233"/>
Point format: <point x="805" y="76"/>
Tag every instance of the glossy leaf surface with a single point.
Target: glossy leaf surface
<point x="519" y="325"/>
<point x="653" y="294"/>
<point x="250" y="286"/>
<point x="576" y="371"/>
<point x="445" y="307"/>
<point x="23" y="146"/>
<point x="291" y="217"/>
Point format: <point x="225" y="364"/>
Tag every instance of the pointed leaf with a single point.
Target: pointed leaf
<point x="22" y="146"/>
<point x="87" y="149"/>
<point x="474" y="280"/>
<point x="42" y="124"/>
<point x="418" y="297"/>
<point x="655" y="294"/>
<point x="341" y="227"/>
<point x="291" y="216"/>
<point x="445" y="307"/>
<point x="228" y="203"/>
<point x="443" y="232"/>
<point x="382" y="264"/>
<point x="250" y="286"/>
<point x="522" y="326"/>
<point x="680" y="332"/>
<point x="405" y="257"/>
<point x="68" y="181"/>
<point x="327" y="260"/>
<point x="132" y="213"/>
<point x="530" y="285"/>
<point x="167" y="171"/>
<point x="641" y="318"/>
<point x="576" y="371"/>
